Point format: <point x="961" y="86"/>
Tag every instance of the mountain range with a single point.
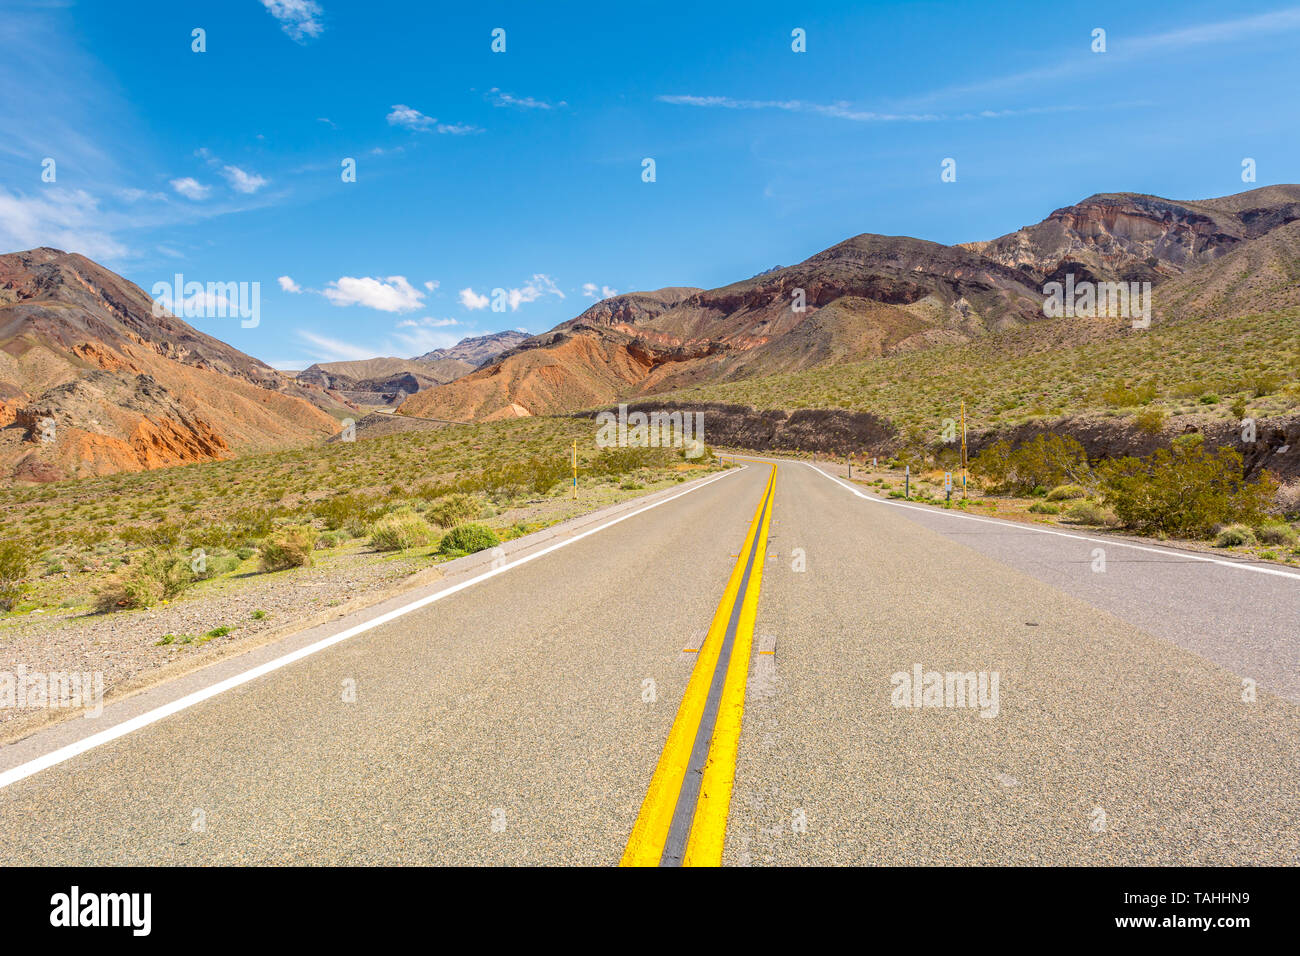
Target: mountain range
<point x="877" y="295"/>
<point x="91" y="381"/>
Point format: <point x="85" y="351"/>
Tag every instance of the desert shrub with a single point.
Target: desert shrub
<point x="1235" y="536"/>
<point x="1151" y="420"/>
<point x="1087" y="512"/>
<point x="288" y="548"/>
<point x="1120" y="395"/>
<point x="1047" y="460"/>
<point x="1044" y="508"/>
<point x="336" y="511"/>
<point x="1278" y="532"/>
<point x="397" y="532"/>
<point x="452" y="510"/>
<point x="151" y="577"/>
<point x="620" y="461"/>
<point x="15" y="558"/>
<point x="1066" y="493"/>
<point x="1183" y="490"/>
<point x="467" y="539"/>
<point x="328" y="540"/>
<point x="213" y="565"/>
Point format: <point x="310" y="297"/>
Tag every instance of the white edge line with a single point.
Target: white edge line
<point x="67" y="752"/>
<point x="1060" y="534"/>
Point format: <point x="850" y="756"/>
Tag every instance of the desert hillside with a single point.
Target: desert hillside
<point x="875" y="296"/>
<point x="91" y="382"/>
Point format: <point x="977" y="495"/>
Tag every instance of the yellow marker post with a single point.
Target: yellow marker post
<point x="575" y="469"/>
<point x="963" y="448"/>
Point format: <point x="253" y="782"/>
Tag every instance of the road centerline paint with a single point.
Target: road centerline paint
<point x="683" y="818"/>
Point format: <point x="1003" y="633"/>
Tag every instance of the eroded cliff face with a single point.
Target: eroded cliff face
<point x="92" y="382"/>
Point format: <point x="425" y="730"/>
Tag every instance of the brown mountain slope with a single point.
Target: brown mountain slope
<point x="91" y="382"/>
<point x="476" y="349"/>
<point x="875" y="295"/>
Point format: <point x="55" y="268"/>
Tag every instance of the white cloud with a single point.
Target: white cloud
<point x="532" y="290"/>
<point x="432" y="285"/>
<point x="593" y="291"/>
<point x="67" y="220"/>
<point x="403" y="115"/>
<point x="393" y="294"/>
<point x="426" y="322"/>
<point x="472" y="300"/>
<point x="288" y="285"/>
<point x="242" y="181"/>
<point x="191" y="188"/>
<point x="501" y="98"/>
<point x="411" y="118"/>
<point x="300" y="19"/>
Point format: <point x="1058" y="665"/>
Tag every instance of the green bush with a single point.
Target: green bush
<point x="288" y="548"/>
<point x="467" y="539"/>
<point x="151" y="576"/>
<point x="1066" y="493"/>
<point x="1043" y="508"/>
<point x="1046" y="460"/>
<point x="1184" y="490"/>
<point x="1087" y="512"/>
<point x="1235" y="536"/>
<point x="398" y="532"/>
<point x="14" y="561"/>
<point x="453" y="510"/>
<point x="1278" y="532"/>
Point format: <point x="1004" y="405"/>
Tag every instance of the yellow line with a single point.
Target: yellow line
<point x="645" y="846"/>
<point x="709" y="828"/>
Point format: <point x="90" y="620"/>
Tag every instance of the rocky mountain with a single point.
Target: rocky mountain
<point x="477" y="349"/>
<point x="382" y="381"/>
<point x="91" y="382"/>
<point x="875" y="295"/>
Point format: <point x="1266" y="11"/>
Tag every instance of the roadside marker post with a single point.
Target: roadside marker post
<point x="947" y="484"/>
<point x="907" y="481"/>
<point x="575" y="469"/>
<point x="963" y="448"/>
<point x="849" y="459"/>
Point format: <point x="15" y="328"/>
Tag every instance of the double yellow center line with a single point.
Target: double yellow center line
<point x="683" y="820"/>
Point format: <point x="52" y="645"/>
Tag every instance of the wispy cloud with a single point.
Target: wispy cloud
<point x="326" y="349"/>
<point x="408" y="117"/>
<point x="300" y="19"/>
<point x="65" y="219"/>
<point x="288" y="285"/>
<point x="502" y="98"/>
<point x="191" y="188"/>
<point x="242" y="181"/>
<point x="846" y="111"/>
<point x="1125" y="49"/>
<point x="592" y="291"/>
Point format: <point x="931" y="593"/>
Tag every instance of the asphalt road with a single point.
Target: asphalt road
<point x="546" y="712"/>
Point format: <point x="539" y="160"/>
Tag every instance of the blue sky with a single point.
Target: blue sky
<point x="522" y="170"/>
